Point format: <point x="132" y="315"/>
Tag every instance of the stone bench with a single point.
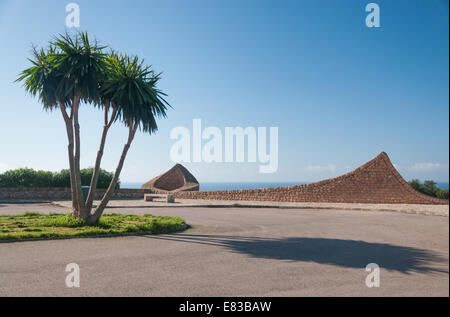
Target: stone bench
<point x="167" y="197"/>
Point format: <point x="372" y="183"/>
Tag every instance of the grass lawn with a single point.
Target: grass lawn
<point x="33" y="225"/>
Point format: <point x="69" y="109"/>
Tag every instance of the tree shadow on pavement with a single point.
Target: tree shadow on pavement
<point x="346" y="253"/>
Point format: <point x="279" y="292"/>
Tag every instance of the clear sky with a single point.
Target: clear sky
<point x="338" y="91"/>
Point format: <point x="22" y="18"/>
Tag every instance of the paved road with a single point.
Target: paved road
<point x="241" y="252"/>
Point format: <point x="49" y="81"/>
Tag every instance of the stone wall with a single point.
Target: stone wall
<point x="11" y="194"/>
<point x="376" y="182"/>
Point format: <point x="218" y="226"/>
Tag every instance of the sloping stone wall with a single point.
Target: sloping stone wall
<point x="377" y="181"/>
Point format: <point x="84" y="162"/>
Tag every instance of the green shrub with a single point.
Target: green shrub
<point x="104" y="178"/>
<point x="443" y="194"/>
<point x="27" y="177"/>
<point x="429" y="188"/>
<point x="62" y="179"/>
<point x="415" y="183"/>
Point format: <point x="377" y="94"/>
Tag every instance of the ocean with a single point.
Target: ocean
<point x="442" y="185"/>
<point x="229" y="186"/>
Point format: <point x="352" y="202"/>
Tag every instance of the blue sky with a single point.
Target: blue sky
<point x="339" y="92"/>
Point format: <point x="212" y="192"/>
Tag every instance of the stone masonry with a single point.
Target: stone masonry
<point x="52" y="193"/>
<point x="376" y="182"/>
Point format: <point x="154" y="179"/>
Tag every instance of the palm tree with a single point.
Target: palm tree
<point x="74" y="70"/>
<point x="82" y="64"/>
<point x="63" y="76"/>
<point x="43" y="80"/>
<point x="130" y="90"/>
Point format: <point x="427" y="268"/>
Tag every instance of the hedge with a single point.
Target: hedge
<point x="27" y="177"/>
<point x="429" y="188"/>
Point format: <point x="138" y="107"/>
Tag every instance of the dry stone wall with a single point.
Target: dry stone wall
<point x="377" y="181"/>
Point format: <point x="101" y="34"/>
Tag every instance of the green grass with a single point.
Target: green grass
<point x="31" y="225"/>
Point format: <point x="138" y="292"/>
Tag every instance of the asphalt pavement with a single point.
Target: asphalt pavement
<point x="240" y="252"/>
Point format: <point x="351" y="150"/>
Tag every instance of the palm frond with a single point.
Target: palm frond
<point x="131" y="86"/>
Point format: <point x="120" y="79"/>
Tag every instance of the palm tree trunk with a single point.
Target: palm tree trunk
<point x="76" y="160"/>
<point x="69" y="130"/>
<point x="96" y="170"/>
<point x="112" y="185"/>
